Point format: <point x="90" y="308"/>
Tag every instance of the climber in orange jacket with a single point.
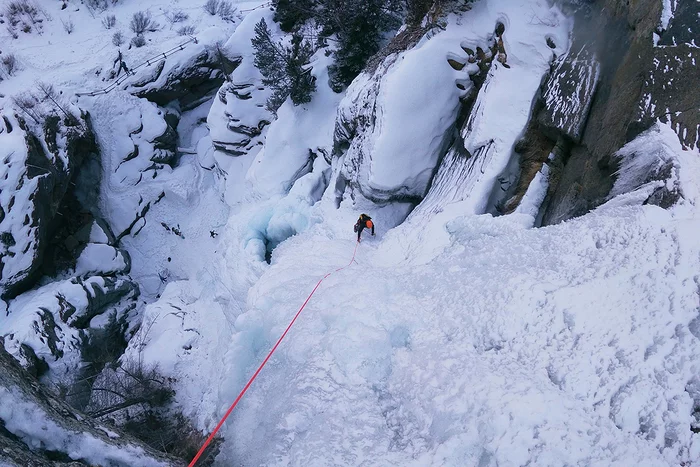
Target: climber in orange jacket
<point x="364" y="222"/>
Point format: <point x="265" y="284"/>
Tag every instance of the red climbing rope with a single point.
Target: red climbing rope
<point x="255" y="375"/>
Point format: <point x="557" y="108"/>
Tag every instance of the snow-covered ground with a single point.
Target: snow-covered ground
<point x="456" y="338"/>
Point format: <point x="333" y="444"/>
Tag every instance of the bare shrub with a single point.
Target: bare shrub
<point x="49" y="93"/>
<point x="142" y="22"/>
<point x="97" y="5"/>
<point x="118" y="38"/>
<point x="550" y="20"/>
<point x="226" y="11"/>
<point x="188" y="30"/>
<point x="28" y="103"/>
<point x="130" y="384"/>
<point x="176" y="16"/>
<point x="174" y="434"/>
<point x="68" y="26"/>
<point x="23" y="15"/>
<point x="9" y="62"/>
<point x="211" y="6"/>
<point x="138" y="41"/>
<point x="137" y="398"/>
<point x="109" y="21"/>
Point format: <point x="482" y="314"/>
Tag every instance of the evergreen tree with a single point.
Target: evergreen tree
<point x="285" y="69"/>
<point x="290" y="14"/>
<point x="358" y="26"/>
<point x="417" y="9"/>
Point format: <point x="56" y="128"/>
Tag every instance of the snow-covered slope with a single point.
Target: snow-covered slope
<point x="455" y="337"/>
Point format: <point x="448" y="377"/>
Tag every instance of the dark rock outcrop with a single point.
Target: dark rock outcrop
<point x="670" y="89"/>
<point x="189" y="82"/>
<point x="639" y="83"/>
<point x="64" y="437"/>
<point x="568" y="93"/>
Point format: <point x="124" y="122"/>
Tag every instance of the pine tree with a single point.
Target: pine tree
<point x="302" y="82"/>
<point x="417" y="9"/>
<point x="358" y="26"/>
<point x="290" y="14"/>
<point x="285" y="69"/>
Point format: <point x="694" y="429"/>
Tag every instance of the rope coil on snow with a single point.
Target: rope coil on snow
<point x="255" y="375"/>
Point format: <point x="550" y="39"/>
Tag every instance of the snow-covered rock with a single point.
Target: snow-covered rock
<point x="650" y="163"/>
<point x="498" y="113"/>
<point x="188" y="77"/>
<point x="238" y="118"/>
<point x="395" y="122"/>
<point x="45" y="329"/>
<point x="38" y="166"/>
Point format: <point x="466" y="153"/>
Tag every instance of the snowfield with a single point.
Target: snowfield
<point x="456" y="338"/>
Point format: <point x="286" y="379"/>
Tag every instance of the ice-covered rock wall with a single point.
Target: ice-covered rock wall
<point x="396" y="121"/>
<point x="475" y="170"/>
<point x="48" y="328"/>
<point x="647" y="71"/>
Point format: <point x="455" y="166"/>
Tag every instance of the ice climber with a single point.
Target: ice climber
<point x="122" y="65"/>
<point x="363" y="222"/>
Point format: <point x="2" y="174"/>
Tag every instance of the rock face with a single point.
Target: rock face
<point x="393" y="112"/>
<point x="48" y="327"/>
<point x="670" y="89"/>
<point x="238" y="119"/>
<point x="36" y="429"/>
<point x="39" y="166"/>
<point x="639" y="82"/>
<point x="188" y="82"/>
<point x="568" y="93"/>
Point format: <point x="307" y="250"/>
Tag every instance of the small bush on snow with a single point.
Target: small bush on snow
<point x="223" y="8"/>
<point x="9" y="62"/>
<point x="186" y="30"/>
<point x="138" y="41"/>
<point x="68" y="26"/>
<point x="142" y="22"/>
<point x="118" y="38"/>
<point x="211" y="6"/>
<point x="176" y="16"/>
<point x="226" y="11"/>
<point x="96" y="5"/>
<point x="22" y="15"/>
<point x="109" y="21"/>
